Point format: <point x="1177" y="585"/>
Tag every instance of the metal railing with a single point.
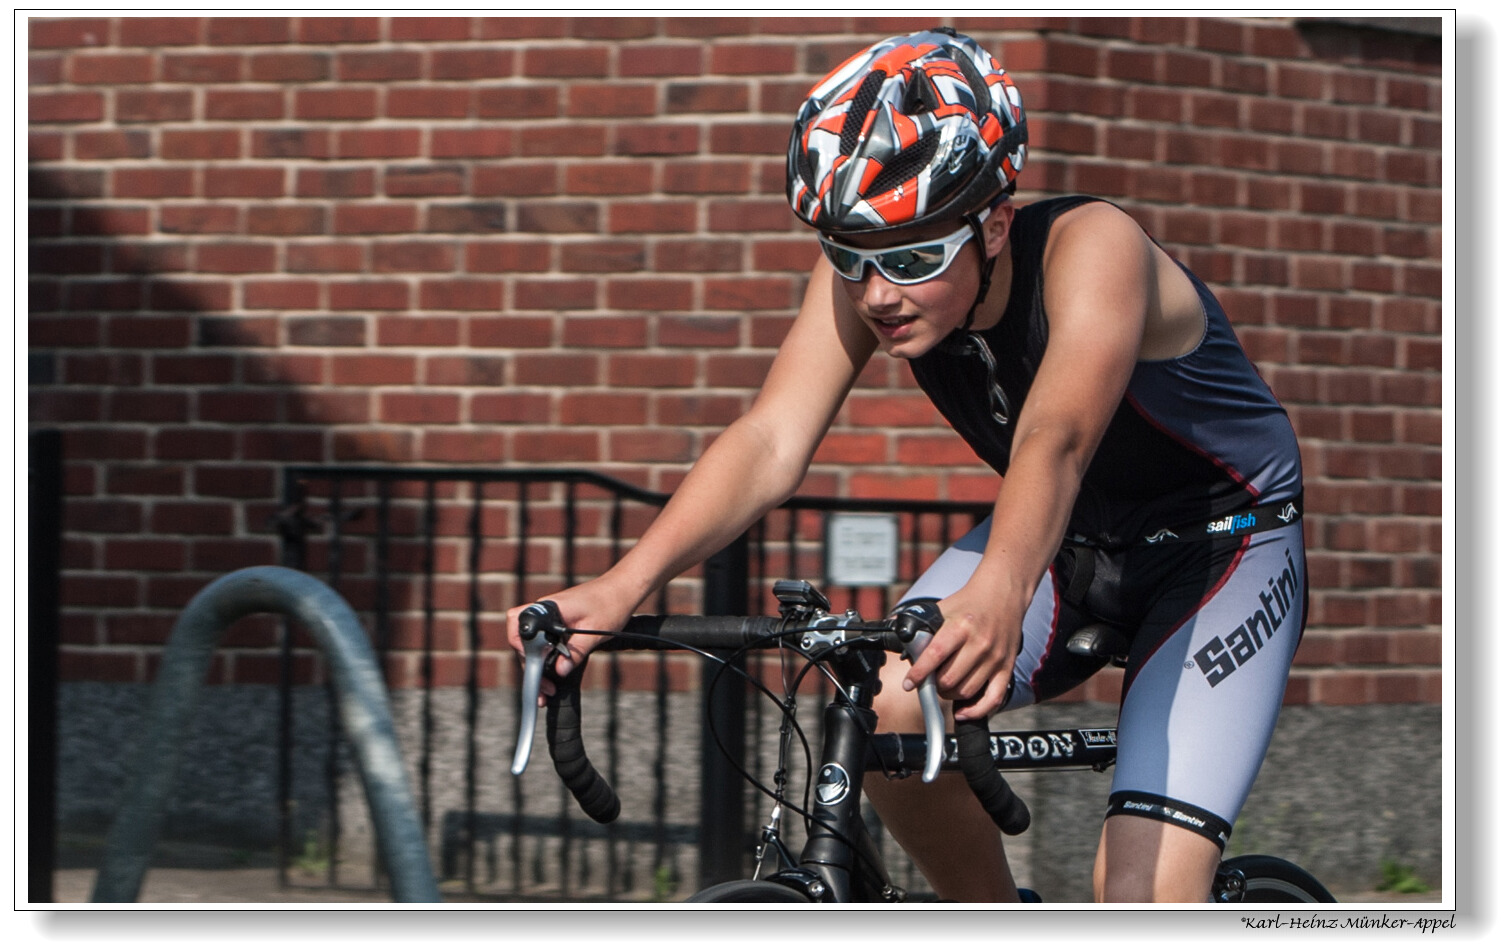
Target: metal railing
<point x="434" y="556"/>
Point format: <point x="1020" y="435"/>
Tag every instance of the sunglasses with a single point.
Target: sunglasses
<point x="904" y="265"/>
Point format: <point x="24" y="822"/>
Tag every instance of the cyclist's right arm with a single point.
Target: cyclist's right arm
<point x="754" y="465"/>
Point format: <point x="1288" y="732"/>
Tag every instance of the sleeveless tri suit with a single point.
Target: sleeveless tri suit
<point x="1186" y="536"/>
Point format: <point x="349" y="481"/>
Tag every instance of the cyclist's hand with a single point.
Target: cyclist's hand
<point x="972" y="654"/>
<point x="587" y="606"/>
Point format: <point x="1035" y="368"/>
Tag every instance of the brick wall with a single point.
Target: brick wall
<point x="532" y="241"/>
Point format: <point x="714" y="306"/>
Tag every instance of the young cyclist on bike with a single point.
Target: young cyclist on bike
<point x="1150" y="478"/>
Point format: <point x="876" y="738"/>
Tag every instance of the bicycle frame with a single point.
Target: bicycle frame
<point x="839" y="861"/>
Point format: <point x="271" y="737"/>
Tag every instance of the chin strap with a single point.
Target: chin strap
<point x="986" y="270"/>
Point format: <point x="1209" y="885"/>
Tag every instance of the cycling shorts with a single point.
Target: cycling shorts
<point x="1212" y="628"/>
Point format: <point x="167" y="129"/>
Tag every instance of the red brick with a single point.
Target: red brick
<point x="567" y="62"/>
<point x="419" y="408"/>
<point x="61" y="33"/>
<point x="365" y="295"/>
<point x="425" y="331"/>
<point x="461" y="294"/>
<point x="469" y="371"/>
<point x="484" y="142"/>
<point x="319" y="30"/>
<point x="60" y="107"/>
<point x="247" y="30"/>
<point x="243" y="181"/>
<point x="326" y="331"/>
<point x="110" y="68"/>
<point x="383" y="142"/>
<point x="339" y="104"/>
<point x="229" y="105"/>
<point x="428" y="102"/>
<point x="200" y="144"/>
<point x="414" y="256"/>
<point x="292" y="143"/>
<point x="335" y="182"/>
<point x="202" y="68"/>
<point x="324" y="258"/>
<point x="373" y="370"/>
<point x="376" y="218"/>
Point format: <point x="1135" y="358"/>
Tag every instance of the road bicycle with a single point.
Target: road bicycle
<point x="839" y="861"/>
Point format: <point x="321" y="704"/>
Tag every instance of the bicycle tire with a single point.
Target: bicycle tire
<point x="1268" y="879"/>
<point x="769" y="892"/>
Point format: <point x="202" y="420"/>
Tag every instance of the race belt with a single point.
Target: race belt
<point x="1240" y="523"/>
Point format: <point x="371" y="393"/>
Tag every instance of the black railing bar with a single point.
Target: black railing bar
<point x="292" y="555"/>
<point x="474" y="647"/>
<point x="659" y="761"/>
<point x="479" y="474"/>
<point x="334" y="740"/>
<point x="428" y="651"/>
<point x="569" y="579"/>
<point x="615" y="884"/>
<point x="522" y="536"/>
<point x="381" y="617"/>
<point x="620" y="487"/>
<point x="611" y="733"/>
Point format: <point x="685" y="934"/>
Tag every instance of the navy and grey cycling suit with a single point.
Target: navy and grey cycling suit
<point x="1186" y="535"/>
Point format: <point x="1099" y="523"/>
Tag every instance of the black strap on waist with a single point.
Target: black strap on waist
<point x="1240" y="523"/>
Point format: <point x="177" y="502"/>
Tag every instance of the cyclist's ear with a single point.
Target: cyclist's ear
<point x="995" y="228"/>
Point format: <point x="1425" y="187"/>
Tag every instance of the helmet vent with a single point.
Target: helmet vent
<point x="919" y="97"/>
<point x="906" y="166"/>
<point x="974" y="79"/>
<point x="855" y="114"/>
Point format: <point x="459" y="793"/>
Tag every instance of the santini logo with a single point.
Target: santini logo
<point x="1224" y="655"/>
<point x="1169" y="814"/>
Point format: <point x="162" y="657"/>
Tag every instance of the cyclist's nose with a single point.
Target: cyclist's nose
<point x="878" y="292"/>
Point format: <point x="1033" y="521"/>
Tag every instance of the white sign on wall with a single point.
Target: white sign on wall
<point x="861" y="549"/>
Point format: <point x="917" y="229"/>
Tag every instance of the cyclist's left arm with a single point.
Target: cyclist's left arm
<point x="1099" y="287"/>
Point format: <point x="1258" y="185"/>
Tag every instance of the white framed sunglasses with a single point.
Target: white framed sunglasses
<point x="904" y="265"/>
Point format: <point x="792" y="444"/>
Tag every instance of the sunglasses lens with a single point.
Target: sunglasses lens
<point x="846" y="262"/>
<point x="912" y="263"/>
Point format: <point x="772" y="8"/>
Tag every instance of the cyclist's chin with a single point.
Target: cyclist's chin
<point x="919" y="338"/>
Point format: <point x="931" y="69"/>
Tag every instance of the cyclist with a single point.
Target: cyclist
<point x="1150" y="479"/>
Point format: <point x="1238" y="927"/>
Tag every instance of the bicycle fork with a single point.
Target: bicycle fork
<point x="840" y="862"/>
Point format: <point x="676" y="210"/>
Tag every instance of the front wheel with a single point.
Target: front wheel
<point x="749" y="892"/>
<point x="1268" y="879"/>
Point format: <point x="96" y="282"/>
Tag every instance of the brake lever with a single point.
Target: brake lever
<point x="922" y="619"/>
<point x="535" y="620"/>
<point x="934" y="715"/>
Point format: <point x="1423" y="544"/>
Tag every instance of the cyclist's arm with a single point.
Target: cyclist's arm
<point x="1099" y="281"/>
<point x="755" y="464"/>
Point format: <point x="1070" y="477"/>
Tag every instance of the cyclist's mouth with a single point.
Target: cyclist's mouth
<point x="895" y="327"/>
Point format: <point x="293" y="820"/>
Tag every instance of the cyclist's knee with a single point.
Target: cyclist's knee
<point x="897" y="709"/>
<point x="1143" y="860"/>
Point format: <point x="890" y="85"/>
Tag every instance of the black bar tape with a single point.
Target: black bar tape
<point x="974" y="752"/>
<point x="564" y="740"/>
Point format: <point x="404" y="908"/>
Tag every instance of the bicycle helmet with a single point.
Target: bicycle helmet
<point x="914" y="130"/>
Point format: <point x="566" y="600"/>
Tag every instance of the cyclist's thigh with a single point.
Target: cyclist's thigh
<point x="1043" y="668"/>
<point x="1205" y="685"/>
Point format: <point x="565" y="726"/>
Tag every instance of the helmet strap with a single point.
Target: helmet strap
<point x="986" y="270"/>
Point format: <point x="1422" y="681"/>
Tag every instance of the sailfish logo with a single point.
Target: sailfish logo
<point x="1288" y="513"/>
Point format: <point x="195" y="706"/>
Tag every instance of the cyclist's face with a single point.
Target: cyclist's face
<point x="909" y="320"/>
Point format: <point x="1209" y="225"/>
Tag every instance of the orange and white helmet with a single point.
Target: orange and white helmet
<point x="914" y="130"/>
